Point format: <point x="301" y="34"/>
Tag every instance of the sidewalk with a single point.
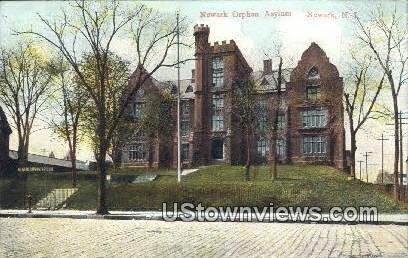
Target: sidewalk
<point x="383" y="219"/>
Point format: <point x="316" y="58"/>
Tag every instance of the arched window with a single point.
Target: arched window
<point x="313" y="73"/>
<point x="189" y="89"/>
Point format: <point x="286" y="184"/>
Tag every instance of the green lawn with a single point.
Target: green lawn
<point x="226" y="185"/>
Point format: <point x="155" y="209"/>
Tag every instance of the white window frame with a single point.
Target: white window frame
<point x="314" y="145"/>
<point x="137" y="152"/>
<point x="314" y="118"/>
<point x="262" y="147"/>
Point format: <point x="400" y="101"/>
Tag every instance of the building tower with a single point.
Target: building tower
<point x="202" y="47"/>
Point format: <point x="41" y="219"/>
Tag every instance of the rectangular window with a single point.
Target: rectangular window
<point x="262" y="147"/>
<point x="282" y="103"/>
<point x="137" y="109"/>
<point x="185" y="127"/>
<point x="140" y="134"/>
<point x="314" y="145"/>
<point x="184" y="151"/>
<point x="313" y="93"/>
<point x="185" y="108"/>
<point x="218" y="113"/>
<point x="281" y="121"/>
<point x="314" y="118"/>
<point x="137" y="152"/>
<point x="281" y="148"/>
<point x="261" y="113"/>
<point x="218" y="72"/>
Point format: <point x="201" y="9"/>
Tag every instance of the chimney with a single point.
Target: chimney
<point x="193" y="75"/>
<point x="267" y="69"/>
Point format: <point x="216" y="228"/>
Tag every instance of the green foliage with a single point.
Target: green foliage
<point x="112" y="88"/>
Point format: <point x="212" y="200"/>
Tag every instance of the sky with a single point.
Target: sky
<point x="327" y="23"/>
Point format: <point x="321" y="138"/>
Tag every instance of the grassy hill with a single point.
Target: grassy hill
<point x="226" y="186"/>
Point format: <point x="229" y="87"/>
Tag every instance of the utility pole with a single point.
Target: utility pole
<point x="382" y="156"/>
<point x="178" y="104"/>
<point x="402" y="192"/>
<point x="366" y="162"/>
<point x="360" y="161"/>
<point x="401" y="155"/>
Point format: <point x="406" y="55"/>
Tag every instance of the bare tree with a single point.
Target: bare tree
<point x="245" y="100"/>
<point x="70" y="106"/>
<point x="279" y="80"/>
<point x="386" y="36"/>
<point x="25" y="82"/>
<point x="96" y="25"/>
<point x="360" y="100"/>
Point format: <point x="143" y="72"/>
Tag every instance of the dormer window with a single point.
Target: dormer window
<point x="189" y="89"/>
<point x="264" y="82"/>
<point x="174" y="89"/>
<point x="313" y="73"/>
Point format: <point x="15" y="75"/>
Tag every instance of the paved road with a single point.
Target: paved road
<point x="127" y="238"/>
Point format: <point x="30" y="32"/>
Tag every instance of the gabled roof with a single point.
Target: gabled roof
<point x="267" y="82"/>
<point x="171" y="87"/>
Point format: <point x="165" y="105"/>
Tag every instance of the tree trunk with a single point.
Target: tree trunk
<point x="73" y="169"/>
<point x="396" y="146"/>
<point x="274" y="171"/>
<point x="101" y="161"/>
<point x="101" y="167"/>
<point x="22" y="152"/>
<point x="353" y="148"/>
<point x="248" y="159"/>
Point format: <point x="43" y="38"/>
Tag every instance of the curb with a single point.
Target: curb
<point x="160" y="218"/>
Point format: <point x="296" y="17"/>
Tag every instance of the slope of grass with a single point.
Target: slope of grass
<point x="226" y="186"/>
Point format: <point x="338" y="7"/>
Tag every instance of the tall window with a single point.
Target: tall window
<point x="314" y="145"/>
<point x="282" y="102"/>
<point x="281" y="148"/>
<point x="137" y="152"/>
<point x="281" y="121"/>
<point x="185" y="108"/>
<point x="218" y="72"/>
<point x="184" y="151"/>
<point x="137" y="109"/>
<point x="218" y="113"/>
<point x="314" y="117"/>
<point x="313" y="93"/>
<point x="313" y="73"/>
<point x="262" y="147"/>
<point x="261" y="113"/>
<point x="185" y="126"/>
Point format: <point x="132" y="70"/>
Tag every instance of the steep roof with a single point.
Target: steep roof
<point x="4" y="125"/>
<point x="267" y="82"/>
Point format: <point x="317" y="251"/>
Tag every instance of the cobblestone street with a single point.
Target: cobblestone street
<point x="127" y="238"/>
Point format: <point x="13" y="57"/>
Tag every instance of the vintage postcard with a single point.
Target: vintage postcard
<point x="204" y="128"/>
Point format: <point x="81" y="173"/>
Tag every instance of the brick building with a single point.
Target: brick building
<point x="310" y="122"/>
<point x="5" y="132"/>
